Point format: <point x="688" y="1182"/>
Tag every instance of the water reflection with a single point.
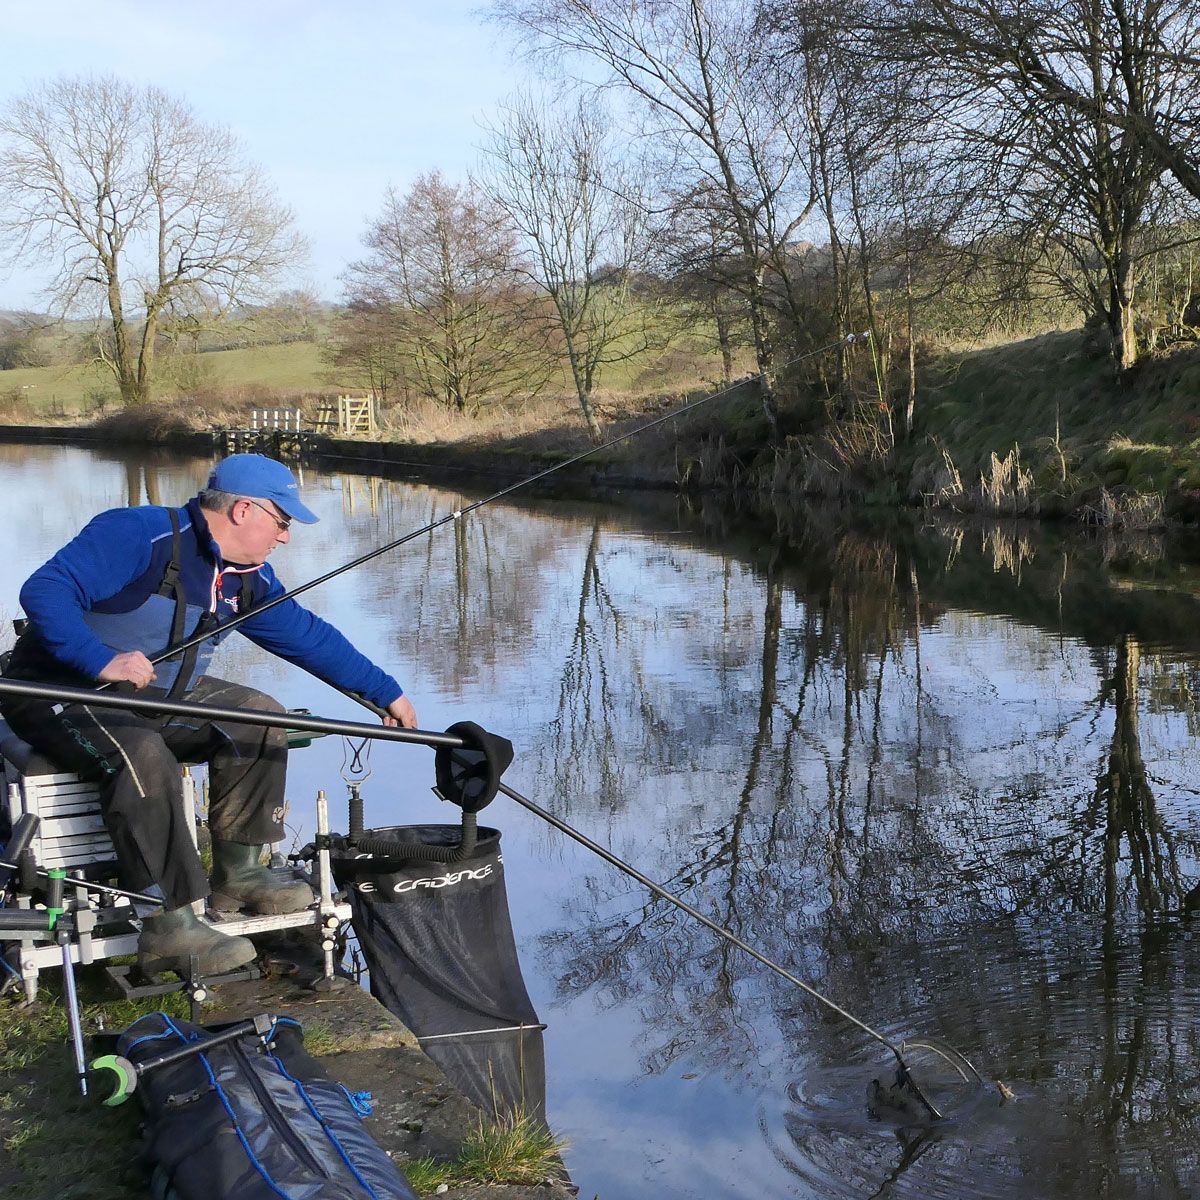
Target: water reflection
<point x="1132" y="829"/>
<point x="943" y="771"/>
<point x="886" y="835"/>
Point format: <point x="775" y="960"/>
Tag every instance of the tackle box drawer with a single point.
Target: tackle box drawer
<point x="71" y="832"/>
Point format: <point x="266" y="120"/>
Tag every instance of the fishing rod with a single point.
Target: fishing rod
<point x="458" y="513"/>
<point x="386" y="733"/>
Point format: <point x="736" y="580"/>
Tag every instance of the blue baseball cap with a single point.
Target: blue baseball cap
<point x="256" y="475"/>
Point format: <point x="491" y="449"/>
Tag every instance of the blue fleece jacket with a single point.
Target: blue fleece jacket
<point x="117" y="562"/>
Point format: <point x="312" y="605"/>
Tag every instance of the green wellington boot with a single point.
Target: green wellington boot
<point x="169" y="939"/>
<point x="239" y="880"/>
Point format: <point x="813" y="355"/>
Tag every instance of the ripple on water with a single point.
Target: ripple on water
<point x="1098" y="1038"/>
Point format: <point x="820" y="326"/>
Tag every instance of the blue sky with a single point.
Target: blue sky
<point x="333" y="100"/>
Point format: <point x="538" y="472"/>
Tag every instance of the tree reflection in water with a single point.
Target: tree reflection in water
<point x="945" y="771"/>
<point x="931" y="866"/>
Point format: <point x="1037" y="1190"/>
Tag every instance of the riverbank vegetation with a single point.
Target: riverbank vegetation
<point x="514" y="1148"/>
<point x="953" y="246"/>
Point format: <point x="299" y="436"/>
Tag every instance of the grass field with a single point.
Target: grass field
<point x="85" y="388"/>
<point x="293" y="367"/>
<point x="282" y="372"/>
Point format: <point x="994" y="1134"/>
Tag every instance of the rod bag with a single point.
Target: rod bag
<point x="244" y="1121"/>
<point x="438" y="942"/>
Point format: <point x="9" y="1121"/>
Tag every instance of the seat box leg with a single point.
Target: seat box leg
<point x="29" y="972"/>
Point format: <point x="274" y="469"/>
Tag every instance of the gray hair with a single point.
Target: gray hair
<point x="218" y="501"/>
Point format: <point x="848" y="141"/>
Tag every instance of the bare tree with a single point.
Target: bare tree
<point x="697" y="249"/>
<point x="1075" y="114"/>
<point x="23" y="341"/>
<point x="364" y="350"/>
<point x="442" y="259"/>
<point x="140" y="210"/>
<point x="581" y="221"/>
<point x="292" y="316"/>
<point x="715" y="112"/>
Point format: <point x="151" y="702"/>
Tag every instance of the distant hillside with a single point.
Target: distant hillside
<point x="271" y="373"/>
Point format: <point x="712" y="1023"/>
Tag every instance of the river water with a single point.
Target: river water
<point x="947" y="773"/>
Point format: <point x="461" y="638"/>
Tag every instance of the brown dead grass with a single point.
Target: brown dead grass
<point x="552" y="427"/>
<point x="423" y="420"/>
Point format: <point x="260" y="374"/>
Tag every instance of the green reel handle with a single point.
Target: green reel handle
<point x="124" y="1081"/>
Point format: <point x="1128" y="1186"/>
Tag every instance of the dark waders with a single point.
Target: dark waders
<point x="135" y="759"/>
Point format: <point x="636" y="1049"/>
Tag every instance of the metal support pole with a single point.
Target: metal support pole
<point x="325" y="882"/>
<point x="74" y="1019"/>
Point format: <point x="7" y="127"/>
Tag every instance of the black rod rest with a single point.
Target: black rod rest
<point x="15" y="856"/>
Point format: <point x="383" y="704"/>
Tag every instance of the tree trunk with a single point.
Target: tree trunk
<point x="764" y="352"/>
<point x="583" y="389"/>
<point x="145" y="368"/>
<point x="121" y="363"/>
<point x="1122" y="331"/>
<point x="911" y="333"/>
<point x="723" y="340"/>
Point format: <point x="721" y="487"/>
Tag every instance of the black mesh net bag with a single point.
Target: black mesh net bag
<point x="438" y="942"/>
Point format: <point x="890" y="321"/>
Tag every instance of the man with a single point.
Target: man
<point x="132" y="583"/>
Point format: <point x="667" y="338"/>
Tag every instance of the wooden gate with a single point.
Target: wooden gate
<point x="347" y="416"/>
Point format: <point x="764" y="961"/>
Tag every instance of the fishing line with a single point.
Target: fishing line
<point x="904" y="1081"/>
<point x="458" y="513"/>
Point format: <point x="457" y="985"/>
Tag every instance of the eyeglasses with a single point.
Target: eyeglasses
<point x="284" y="523"/>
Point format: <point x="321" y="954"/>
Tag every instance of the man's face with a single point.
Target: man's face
<point x="263" y="528"/>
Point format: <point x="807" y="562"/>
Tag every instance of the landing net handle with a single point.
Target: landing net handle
<point x="447" y="743"/>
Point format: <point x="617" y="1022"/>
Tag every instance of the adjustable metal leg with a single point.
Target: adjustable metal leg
<point x="329" y="918"/>
<point x="83" y="935"/>
<point x="26" y="960"/>
<point x="74" y="1018"/>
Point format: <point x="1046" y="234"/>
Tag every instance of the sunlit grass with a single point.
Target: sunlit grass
<point x="320" y="1040"/>
<point x="515" y="1149"/>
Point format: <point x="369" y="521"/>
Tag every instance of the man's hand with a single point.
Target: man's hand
<point x="402" y="713"/>
<point x="131" y="667"/>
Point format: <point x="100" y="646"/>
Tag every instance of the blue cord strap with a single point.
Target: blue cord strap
<point x="229" y="1110"/>
<point x="359" y="1101"/>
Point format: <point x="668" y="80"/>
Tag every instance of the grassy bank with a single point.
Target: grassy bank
<point x="1083" y="436"/>
<point x="58" y="1145"/>
<point x="54" y="1143"/>
<point x="1037" y="425"/>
